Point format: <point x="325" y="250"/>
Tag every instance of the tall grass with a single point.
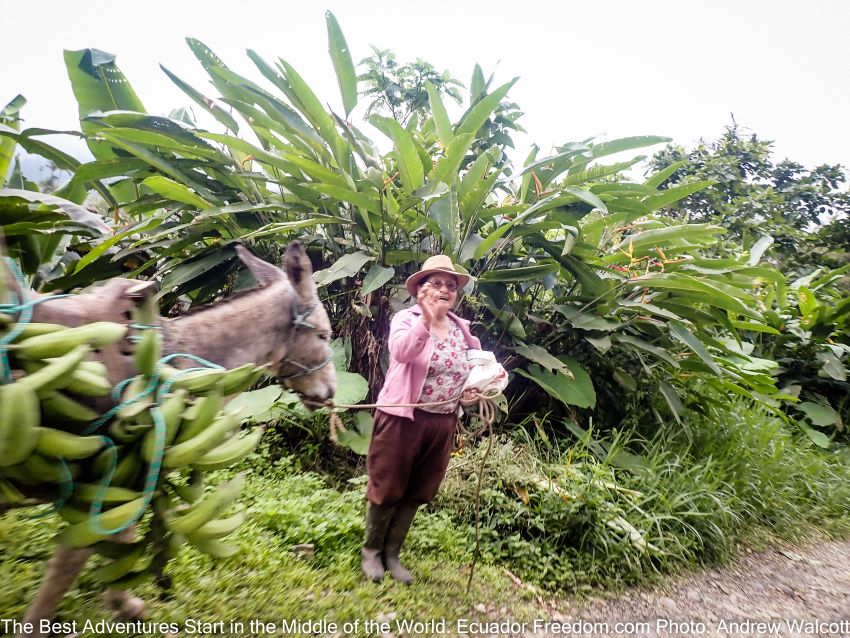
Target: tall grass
<point x="620" y="509"/>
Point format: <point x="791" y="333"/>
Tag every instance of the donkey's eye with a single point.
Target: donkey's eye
<point x="324" y="336"/>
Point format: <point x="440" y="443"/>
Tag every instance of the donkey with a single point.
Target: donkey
<point x="281" y="324"/>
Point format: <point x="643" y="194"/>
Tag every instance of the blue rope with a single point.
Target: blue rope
<point x="22" y="308"/>
<point x="155" y="468"/>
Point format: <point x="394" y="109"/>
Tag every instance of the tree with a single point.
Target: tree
<point x="399" y="90"/>
<point x="754" y="195"/>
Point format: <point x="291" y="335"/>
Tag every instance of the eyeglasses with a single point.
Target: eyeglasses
<point x="437" y="284"/>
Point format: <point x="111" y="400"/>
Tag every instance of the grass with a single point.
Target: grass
<point x="266" y="581"/>
<point x="624" y="509"/>
<point x="599" y="512"/>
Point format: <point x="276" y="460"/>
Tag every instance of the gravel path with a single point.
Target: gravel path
<point x="804" y="591"/>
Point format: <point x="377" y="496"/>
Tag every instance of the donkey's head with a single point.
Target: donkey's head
<point x="301" y="358"/>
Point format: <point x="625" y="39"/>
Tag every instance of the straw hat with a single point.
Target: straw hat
<point x="437" y="263"/>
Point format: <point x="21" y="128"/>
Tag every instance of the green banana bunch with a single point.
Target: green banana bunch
<point x="230" y="452"/>
<point x="19" y="421"/>
<point x="191" y="451"/>
<point x="83" y="534"/>
<point x="61" y="342"/>
<point x="207" y="508"/>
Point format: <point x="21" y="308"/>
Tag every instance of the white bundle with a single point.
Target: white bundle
<point x="487" y="375"/>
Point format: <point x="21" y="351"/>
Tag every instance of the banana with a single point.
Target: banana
<point x="49" y="470"/>
<point x="171" y="409"/>
<point x="207" y="508"/>
<point x="199" y="381"/>
<point x="56" y="373"/>
<point x="213" y="547"/>
<point x="237" y="379"/>
<point x="192" y="450"/>
<point x="83" y="534"/>
<point x="19" y="420"/>
<point x="120" y="567"/>
<point x="230" y="452"/>
<point x="147" y="352"/>
<point x="34" y="329"/>
<point x="88" y="384"/>
<point x="192" y="490"/>
<point x="56" y="344"/>
<point x="61" y="444"/>
<point x="10" y="494"/>
<point x="219" y="527"/>
<point x="94" y="367"/>
<point x="124" y="433"/>
<point x="200" y="415"/>
<point x="72" y="514"/>
<point x="58" y="408"/>
<point x="89" y="493"/>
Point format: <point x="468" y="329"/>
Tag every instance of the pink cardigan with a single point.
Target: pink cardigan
<point x="411" y="348"/>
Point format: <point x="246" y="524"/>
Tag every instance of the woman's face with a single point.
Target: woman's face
<point x="441" y="289"/>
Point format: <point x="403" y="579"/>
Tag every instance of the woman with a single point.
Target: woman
<point x="410" y="447"/>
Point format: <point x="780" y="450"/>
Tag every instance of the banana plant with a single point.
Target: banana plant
<point x="584" y="286"/>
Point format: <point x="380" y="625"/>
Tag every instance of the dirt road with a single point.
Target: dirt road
<point x="803" y="591"/>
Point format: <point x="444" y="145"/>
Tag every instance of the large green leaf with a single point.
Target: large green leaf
<point x="522" y="273"/>
<point x="577" y="391"/>
<point x="675" y="193"/>
<point x="684" y="335"/>
<point x="626" y="144"/>
<point x="99" y="85"/>
<point x="174" y="191"/>
<point x="204" y="102"/>
<point x="73" y="211"/>
<point x="441" y="117"/>
<point x="412" y="174"/>
<point x="346" y="266"/>
<point x="655" y="180"/>
<point x="312" y="109"/>
<point x="10" y="117"/>
<point x="377" y="276"/>
<point x="343" y="65"/>
<point x="821" y="415"/>
<point x="540" y="355"/>
<point x="660" y="236"/>
<point x="474" y="119"/>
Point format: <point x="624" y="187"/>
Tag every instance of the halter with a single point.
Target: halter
<point x="299" y="320"/>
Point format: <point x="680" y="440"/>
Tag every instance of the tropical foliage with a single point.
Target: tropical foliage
<point x="599" y="299"/>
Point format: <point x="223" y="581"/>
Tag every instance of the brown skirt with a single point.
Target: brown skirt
<point x="407" y="458"/>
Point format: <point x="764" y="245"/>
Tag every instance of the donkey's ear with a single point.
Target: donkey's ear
<point x="300" y="270"/>
<point x="265" y="273"/>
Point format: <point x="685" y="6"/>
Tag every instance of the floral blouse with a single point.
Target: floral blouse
<point x="447" y="372"/>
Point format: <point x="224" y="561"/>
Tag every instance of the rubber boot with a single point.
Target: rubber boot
<point x="396" y="534"/>
<point x="378" y="519"/>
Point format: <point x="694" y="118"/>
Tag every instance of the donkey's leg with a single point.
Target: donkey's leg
<point x="62" y="570"/>
<point x="122" y="602"/>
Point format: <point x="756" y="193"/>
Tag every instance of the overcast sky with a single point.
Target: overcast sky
<point x="611" y="69"/>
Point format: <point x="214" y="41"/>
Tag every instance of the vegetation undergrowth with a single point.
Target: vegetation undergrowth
<point x="268" y="581"/>
<point x="608" y="511"/>
<point x="621" y="509"/>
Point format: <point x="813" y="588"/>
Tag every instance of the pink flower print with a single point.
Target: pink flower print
<point x="454" y="345"/>
<point x="431" y="371"/>
<point x="456" y="376"/>
<point x="429" y="391"/>
<point x="442" y="397"/>
<point x="454" y="354"/>
<point x="434" y="357"/>
<point x="441" y="346"/>
<point x="439" y="380"/>
<point x="450" y="363"/>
